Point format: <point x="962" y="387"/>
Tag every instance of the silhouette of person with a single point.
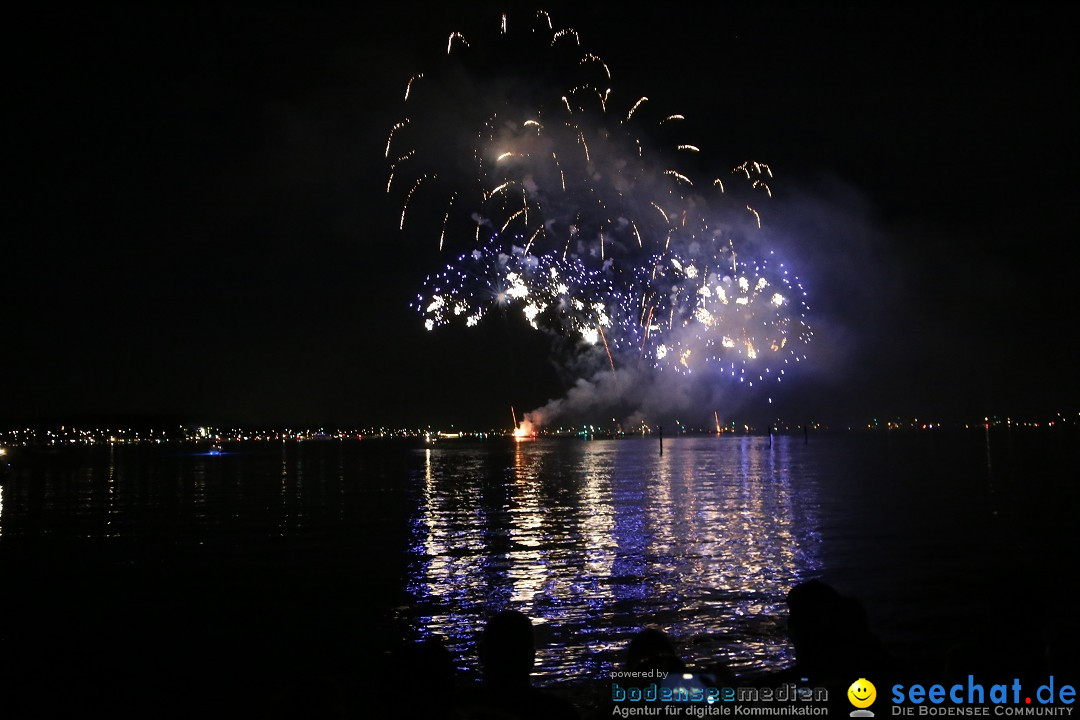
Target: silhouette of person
<point x="651" y="649"/>
<point x="832" y="638"/>
<point x="507" y="652"/>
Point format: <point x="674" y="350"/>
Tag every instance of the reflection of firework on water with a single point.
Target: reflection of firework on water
<point x="520" y="158"/>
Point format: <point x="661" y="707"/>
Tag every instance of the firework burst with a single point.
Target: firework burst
<point x="560" y="197"/>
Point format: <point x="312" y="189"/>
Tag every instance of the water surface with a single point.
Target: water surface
<point x="293" y="554"/>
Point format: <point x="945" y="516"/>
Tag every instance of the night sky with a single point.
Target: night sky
<point x="198" y="227"/>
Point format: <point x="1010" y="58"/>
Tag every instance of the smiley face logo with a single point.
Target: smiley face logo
<point x="862" y="693"/>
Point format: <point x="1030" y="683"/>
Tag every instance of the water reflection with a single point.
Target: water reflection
<point x="527" y="557"/>
<point x="591" y="539"/>
<point x="170" y="494"/>
<point x="110" y="483"/>
<point x="595" y="539"/>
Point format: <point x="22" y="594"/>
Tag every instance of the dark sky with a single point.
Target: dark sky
<point x="198" y="227"/>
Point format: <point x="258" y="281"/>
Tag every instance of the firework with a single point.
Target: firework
<point x="558" y="196"/>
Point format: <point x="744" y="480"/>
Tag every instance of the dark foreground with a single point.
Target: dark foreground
<point x="223" y="616"/>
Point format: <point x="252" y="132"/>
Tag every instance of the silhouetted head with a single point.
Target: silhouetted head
<point x="812" y="603"/>
<point x="651" y="649"/>
<point x="507" y="648"/>
<point x="814" y="609"/>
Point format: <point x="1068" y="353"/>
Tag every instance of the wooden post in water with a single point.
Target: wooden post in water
<point x="660" y="432"/>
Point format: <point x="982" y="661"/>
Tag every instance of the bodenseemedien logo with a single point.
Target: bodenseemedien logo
<point x="862" y="694"/>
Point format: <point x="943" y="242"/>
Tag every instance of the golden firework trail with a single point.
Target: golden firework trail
<point x="635" y="107"/>
<point x="408" y="198"/>
<point x="648" y="325"/>
<point x="566" y="32"/>
<point x="756" y="216"/>
<point x="408" y="85"/>
<point x="589" y="57"/>
<point x="606" y="348"/>
<point x="529" y="245"/>
<point x="390" y="138"/>
<point x="450" y="42"/>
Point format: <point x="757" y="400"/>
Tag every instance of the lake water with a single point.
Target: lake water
<point x="299" y="554"/>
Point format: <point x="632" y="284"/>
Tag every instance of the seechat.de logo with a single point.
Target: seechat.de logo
<point x="862" y="694"/>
